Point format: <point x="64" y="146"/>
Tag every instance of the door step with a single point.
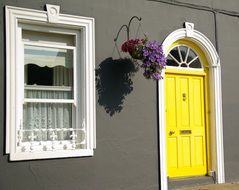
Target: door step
<point x="178" y="183"/>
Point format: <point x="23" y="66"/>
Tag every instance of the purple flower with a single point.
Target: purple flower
<point x="146" y="64"/>
<point x="150" y="53"/>
<point x="147" y="74"/>
<point x="145" y="52"/>
<point x="156" y="76"/>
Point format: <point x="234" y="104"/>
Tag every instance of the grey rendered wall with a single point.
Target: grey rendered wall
<point x="126" y="157"/>
<point x="229" y="49"/>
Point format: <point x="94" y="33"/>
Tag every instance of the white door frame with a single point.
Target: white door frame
<point x="215" y="107"/>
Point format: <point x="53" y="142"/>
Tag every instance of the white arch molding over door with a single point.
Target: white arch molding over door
<point x="216" y="126"/>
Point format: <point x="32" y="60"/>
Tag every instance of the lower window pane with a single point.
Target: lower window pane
<point x="48" y="117"/>
<point x="50" y="126"/>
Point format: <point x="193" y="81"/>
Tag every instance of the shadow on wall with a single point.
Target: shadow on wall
<point x="113" y="83"/>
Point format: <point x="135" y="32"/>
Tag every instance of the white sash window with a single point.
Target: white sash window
<point x="50" y="86"/>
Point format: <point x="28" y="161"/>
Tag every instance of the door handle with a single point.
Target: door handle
<point x="171" y="132"/>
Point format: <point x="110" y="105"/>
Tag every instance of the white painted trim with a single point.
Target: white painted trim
<point x="216" y="124"/>
<point x="51" y="154"/>
<point x="66" y="24"/>
<point x="50" y="29"/>
<point x="37" y="100"/>
<point x="162" y="134"/>
<point x="8" y="80"/>
<point x="48" y="88"/>
<point x="39" y="44"/>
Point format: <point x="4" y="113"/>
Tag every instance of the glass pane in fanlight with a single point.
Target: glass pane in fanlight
<point x="171" y="62"/>
<point x="184" y="65"/>
<point x="196" y="64"/>
<point x="174" y="53"/>
<point x="183" y="50"/>
<point x="191" y="56"/>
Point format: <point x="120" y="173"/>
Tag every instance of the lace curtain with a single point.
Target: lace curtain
<point x="49" y="121"/>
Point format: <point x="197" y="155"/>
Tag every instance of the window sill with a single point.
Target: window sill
<point x="51" y="154"/>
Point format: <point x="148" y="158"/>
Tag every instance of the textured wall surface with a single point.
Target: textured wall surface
<point x="126" y="157"/>
<point x="229" y="49"/>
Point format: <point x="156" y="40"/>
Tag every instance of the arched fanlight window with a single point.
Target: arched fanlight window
<point x="183" y="56"/>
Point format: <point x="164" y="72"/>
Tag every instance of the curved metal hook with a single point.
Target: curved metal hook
<point x="116" y="38"/>
<point x="127" y="27"/>
<point x="132" y="18"/>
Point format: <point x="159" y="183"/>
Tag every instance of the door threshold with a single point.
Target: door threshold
<point x="182" y="182"/>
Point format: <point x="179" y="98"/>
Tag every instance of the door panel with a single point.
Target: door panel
<point x="183" y="102"/>
<point x="173" y="145"/>
<point x="171" y="103"/>
<point x="186" y="149"/>
<point x="199" y="146"/>
<point x="185" y="121"/>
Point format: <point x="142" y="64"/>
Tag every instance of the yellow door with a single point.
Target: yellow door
<point x="185" y="121"/>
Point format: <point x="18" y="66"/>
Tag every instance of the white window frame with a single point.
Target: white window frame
<point x="16" y="16"/>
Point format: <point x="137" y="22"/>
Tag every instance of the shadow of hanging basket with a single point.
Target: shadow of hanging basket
<point x="113" y="83"/>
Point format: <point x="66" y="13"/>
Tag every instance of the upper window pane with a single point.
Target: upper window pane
<point x="183" y="56"/>
<point x="48" y="72"/>
<point x="48" y="38"/>
<point x="48" y="57"/>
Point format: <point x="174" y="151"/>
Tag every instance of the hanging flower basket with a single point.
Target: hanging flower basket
<point x="149" y="53"/>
